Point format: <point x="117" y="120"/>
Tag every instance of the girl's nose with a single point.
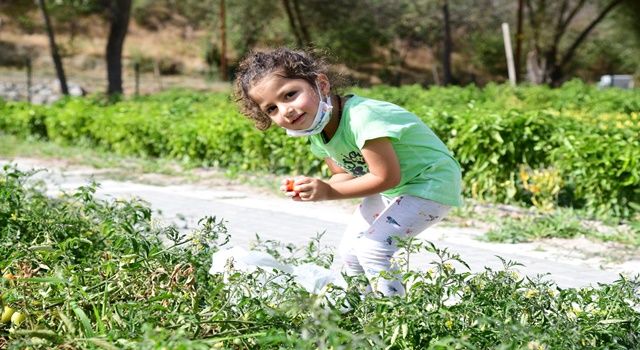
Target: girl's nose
<point x="289" y="112"/>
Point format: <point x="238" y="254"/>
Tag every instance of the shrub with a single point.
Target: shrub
<point x="587" y="135"/>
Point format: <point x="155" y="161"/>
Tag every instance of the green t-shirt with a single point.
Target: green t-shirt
<point x="428" y="169"/>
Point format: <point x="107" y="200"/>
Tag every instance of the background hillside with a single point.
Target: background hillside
<point x="396" y="43"/>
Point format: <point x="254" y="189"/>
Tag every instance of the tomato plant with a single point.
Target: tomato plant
<point x="104" y="274"/>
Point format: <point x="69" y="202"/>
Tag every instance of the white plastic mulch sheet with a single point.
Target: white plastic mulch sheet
<point x="311" y="277"/>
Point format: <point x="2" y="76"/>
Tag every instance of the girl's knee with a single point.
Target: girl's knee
<point x="349" y="258"/>
<point x="374" y="254"/>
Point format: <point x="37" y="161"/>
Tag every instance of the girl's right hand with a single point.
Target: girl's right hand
<point x="287" y="186"/>
<point x="310" y="189"/>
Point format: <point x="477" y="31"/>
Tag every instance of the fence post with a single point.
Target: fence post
<point x="156" y="73"/>
<point x="27" y="63"/>
<point x="507" y="48"/>
<point x="136" y="69"/>
<point x="434" y="72"/>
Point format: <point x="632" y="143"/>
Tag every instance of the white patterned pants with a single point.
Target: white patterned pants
<point x="368" y="245"/>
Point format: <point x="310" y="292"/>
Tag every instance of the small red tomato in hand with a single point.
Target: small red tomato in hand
<point x="289" y="185"/>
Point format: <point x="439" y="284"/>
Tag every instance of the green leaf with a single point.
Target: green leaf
<point x="37" y="333"/>
<point x="67" y="322"/>
<point x="84" y="320"/>
<point x="496" y="136"/>
<point x="50" y="280"/>
<point x="102" y="343"/>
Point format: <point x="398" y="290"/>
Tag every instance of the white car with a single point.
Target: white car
<point x="623" y="81"/>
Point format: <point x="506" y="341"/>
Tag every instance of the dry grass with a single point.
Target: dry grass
<point x="83" y="54"/>
<point x="172" y="42"/>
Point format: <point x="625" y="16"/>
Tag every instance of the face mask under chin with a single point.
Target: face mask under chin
<point x="323" y="115"/>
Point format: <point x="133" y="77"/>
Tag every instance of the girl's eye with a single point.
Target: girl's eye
<point x="270" y="110"/>
<point x="290" y="94"/>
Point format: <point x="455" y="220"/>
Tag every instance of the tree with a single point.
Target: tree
<point x="446" y="44"/>
<point x="627" y="15"/>
<point x="119" y="13"/>
<point x="255" y="22"/>
<point x="350" y="32"/>
<point x="57" y="61"/>
<point x="519" y="36"/>
<point x="223" y="42"/>
<point x="547" y="62"/>
<point x="298" y="27"/>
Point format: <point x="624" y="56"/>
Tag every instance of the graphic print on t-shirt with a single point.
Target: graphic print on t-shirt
<point x="354" y="164"/>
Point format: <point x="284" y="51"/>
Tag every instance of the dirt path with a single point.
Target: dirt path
<point x="251" y="210"/>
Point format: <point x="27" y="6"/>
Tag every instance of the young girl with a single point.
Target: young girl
<point x="374" y="149"/>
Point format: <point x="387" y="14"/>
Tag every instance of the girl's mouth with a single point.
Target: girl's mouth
<point x="298" y="119"/>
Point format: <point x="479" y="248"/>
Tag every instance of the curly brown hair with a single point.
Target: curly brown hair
<point x="291" y="64"/>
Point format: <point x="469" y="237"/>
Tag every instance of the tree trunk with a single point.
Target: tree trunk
<point x="548" y="64"/>
<point x="303" y="28"/>
<point x="536" y="68"/>
<point x="292" y="22"/>
<point x="223" y="43"/>
<point x="120" y="11"/>
<point x="519" y="36"/>
<point x="446" y="52"/>
<point x="57" y="61"/>
<point x="556" y="74"/>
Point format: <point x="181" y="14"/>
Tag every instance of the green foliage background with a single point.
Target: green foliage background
<point x="590" y="136"/>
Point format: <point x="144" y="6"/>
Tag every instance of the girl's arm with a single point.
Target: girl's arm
<point x="338" y="174"/>
<point x="384" y="173"/>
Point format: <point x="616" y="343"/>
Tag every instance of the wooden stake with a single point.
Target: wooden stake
<point x="156" y="73"/>
<point x="507" y="48"/>
<point x="27" y="62"/>
<point x="136" y="70"/>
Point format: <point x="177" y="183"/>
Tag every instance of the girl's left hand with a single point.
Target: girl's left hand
<point x="310" y="189"/>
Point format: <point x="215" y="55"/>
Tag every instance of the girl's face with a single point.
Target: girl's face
<point x="290" y="103"/>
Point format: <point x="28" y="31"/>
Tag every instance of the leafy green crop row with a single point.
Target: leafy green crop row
<point x="591" y="137"/>
<point x="588" y="137"/>
<point x="84" y="273"/>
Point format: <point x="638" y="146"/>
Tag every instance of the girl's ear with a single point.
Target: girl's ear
<point x="323" y="82"/>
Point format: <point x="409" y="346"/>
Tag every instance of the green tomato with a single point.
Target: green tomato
<point x="6" y="314"/>
<point x="17" y="318"/>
